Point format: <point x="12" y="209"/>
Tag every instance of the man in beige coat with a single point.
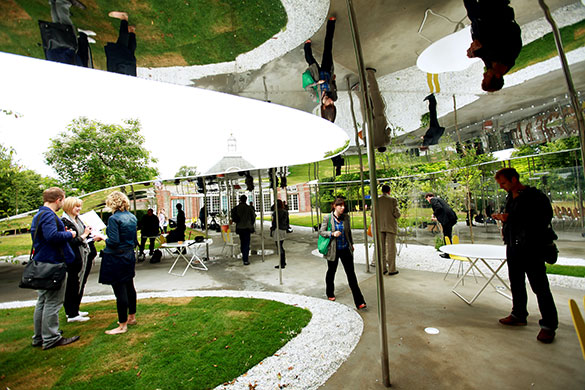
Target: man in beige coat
<point x="388" y="215"/>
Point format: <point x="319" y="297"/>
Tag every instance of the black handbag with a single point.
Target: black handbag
<point x="43" y="276"/>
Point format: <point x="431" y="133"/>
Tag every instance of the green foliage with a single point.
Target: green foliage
<point x="169" y="32"/>
<point x="92" y="155"/>
<point x="182" y="343"/>
<point x="21" y="189"/>
<point x="187" y="171"/>
<point x="425" y="119"/>
<point x="569" y="270"/>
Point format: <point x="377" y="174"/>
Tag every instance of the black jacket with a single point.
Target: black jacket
<point x="444" y="214"/>
<point x="529" y="217"/>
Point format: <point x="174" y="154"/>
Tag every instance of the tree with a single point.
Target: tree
<point x="186" y="170"/>
<point x="21" y="189"/>
<point x="92" y="155"/>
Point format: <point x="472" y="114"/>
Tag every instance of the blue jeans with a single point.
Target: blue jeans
<point x="46" y="317"/>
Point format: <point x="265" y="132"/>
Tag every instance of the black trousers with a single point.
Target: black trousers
<point x="125" y="38"/>
<point x="72" y="297"/>
<point x="524" y="263"/>
<point x="125" y="299"/>
<point x="143" y="243"/>
<point x="448" y="231"/>
<point x="282" y="254"/>
<point x="327" y="60"/>
<point x="346" y="258"/>
<point x="244" y="243"/>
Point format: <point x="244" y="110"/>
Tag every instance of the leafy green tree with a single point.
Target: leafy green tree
<point x="21" y="190"/>
<point x="186" y="170"/>
<point x="92" y="155"/>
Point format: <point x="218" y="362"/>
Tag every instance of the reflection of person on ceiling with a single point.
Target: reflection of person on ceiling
<point x="326" y="82"/>
<point x="496" y="39"/>
<point x="60" y="40"/>
<point x="435" y="130"/>
<point x="120" y="55"/>
<point x="380" y="131"/>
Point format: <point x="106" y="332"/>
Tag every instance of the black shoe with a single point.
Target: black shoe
<point x="445" y="256"/>
<point x="385" y="272"/>
<point x="372" y="69"/>
<point x="429" y="97"/>
<point x="141" y="258"/>
<point x="393" y="273"/>
<point x="62" y="341"/>
<point x="277" y="266"/>
<point x="246" y="263"/>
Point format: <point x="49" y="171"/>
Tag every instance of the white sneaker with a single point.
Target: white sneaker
<point x="83" y="313"/>
<point x="90" y="40"/>
<point x="89" y="33"/>
<point x="78" y="319"/>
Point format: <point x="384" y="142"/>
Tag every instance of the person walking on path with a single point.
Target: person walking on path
<point x="336" y="226"/>
<point x="245" y="218"/>
<point x="51" y="245"/>
<point x="496" y="38"/>
<point x="527" y="231"/>
<point x="280" y="234"/>
<point x="118" y="260"/>
<point x="326" y="83"/>
<point x="388" y="215"/>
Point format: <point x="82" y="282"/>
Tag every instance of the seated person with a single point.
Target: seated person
<point x="178" y="233"/>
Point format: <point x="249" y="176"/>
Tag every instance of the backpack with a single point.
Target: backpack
<point x="156" y="257"/>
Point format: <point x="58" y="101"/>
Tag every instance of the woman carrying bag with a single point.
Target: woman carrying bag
<point x="118" y="260"/>
<point x="336" y="226"/>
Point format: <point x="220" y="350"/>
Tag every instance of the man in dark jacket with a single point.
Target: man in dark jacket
<point x="435" y="131"/>
<point x="526" y="233"/>
<point x="245" y="218"/>
<point x="148" y="230"/>
<point x="178" y="233"/>
<point x="444" y="214"/>
<point x="50" y="246"/>
<point x="496" y="39"/>
<point x="120" y="55"/>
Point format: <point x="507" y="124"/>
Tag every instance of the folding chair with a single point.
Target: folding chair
<point x="579" y="323"/>
<point x="455" y="258"/>
<point x="228" y="240"/>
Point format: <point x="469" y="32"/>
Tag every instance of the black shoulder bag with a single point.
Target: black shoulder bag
<point x="43" y="276"/>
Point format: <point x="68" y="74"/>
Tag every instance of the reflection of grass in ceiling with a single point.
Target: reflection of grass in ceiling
<point x="542" y="49"/>
<point x="169" y="32"/>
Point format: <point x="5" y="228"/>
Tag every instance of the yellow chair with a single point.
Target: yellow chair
<point x="455" y="258"/>
<point x="579" y="323"/>
<point x="228" y="239"/>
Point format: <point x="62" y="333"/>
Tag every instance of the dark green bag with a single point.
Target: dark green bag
<point x="323" y="242"/>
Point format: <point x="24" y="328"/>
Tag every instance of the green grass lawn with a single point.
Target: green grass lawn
<point x="180" y="343"/>
<point x="169" y="32"/>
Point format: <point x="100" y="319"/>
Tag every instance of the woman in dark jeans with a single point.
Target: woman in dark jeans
<point x="340" y="248"/>
<point x="280" y="234"/>
<point x="118" y="260"/>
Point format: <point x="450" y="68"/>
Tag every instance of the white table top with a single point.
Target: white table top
<point x="475" y="251"/>
<point x="186" y="243"/>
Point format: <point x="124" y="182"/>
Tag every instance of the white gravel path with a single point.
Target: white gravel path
<point x="305" y="362"/>
<point x="304" y="20"/>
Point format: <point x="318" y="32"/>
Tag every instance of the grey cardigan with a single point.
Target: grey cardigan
<point x="330" y="256"/>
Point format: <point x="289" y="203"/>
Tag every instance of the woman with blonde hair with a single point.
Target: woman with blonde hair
<point x="77" y="271"/>
<point x="118" y="259"/>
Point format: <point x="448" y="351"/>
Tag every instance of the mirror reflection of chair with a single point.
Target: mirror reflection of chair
<point x="578" y="322"/>
<point x="228" y="240"/>
<point x="460" y="259"/>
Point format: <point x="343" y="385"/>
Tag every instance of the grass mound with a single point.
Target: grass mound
<point x="195" y="343"/>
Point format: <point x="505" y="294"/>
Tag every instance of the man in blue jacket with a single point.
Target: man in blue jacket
<point x="50" y="246"/>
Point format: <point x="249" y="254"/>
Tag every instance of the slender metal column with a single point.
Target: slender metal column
<point x="261" y="211"/>
<point x="206" y="216"/>
<point x="275" y="189"/>
<point x="133" y="198"/>
<point x="374" y="195"/>
<point x="570" y="86"/>
<point x="359" y="148"/>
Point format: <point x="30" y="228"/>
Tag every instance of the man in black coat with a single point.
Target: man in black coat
<point x="527" y="232"/>
<point x="178" y="233"/>
<point x="120" y="55"/>
<point x="496" y="39"/>
<point x="148" y="230"/>
<point x="444" y="214"/>
<point x="435" y="131"/>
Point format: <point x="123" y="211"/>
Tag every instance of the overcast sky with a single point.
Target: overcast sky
<point x="182" y="125"/>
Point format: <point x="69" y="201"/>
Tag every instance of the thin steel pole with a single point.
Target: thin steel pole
<point x="275" y="189"/>
<point x="359" y="148"/>
<point x="374" y="196"/>
<point x="133" y="198"/>
<point x="206" y="216"/>
<point x="261" y="211"/>
<point x="570" y="86"/>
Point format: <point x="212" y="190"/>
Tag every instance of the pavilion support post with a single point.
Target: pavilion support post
<point x="359" y="148"/>
<point x="569" y="79"/>
<point x="276" y="233"/>
<point x="206" y="216"/>
<point x="133" y="198"/>
<point x="374" y="196"/>
<point x="261" y="211"/>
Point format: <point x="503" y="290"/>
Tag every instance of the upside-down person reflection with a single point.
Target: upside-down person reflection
<point x="496" y="39"/>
